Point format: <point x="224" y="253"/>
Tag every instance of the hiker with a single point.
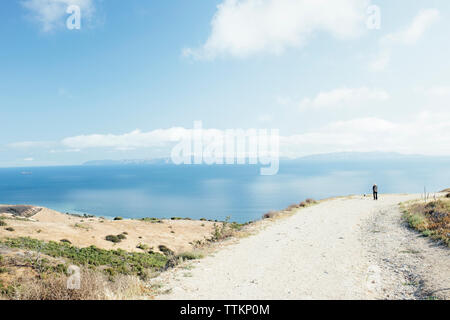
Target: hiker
<point x="375" y="192"/>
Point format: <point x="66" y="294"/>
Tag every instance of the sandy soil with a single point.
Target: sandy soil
<point x="83" y="232"/>
<point x="347" y="248"/>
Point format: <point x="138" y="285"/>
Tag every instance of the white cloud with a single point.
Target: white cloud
<point x="241" y="28"/>
<point x="415" y="31"/>
<point x="28" y="159"/>
<point x="31" y="144"/>
<point x="407" y="36"/>
<point x="51" y="14"/>
<point x="427" y="134"/>
<point x="348" y="97"/>
<point x="134" y="139"/>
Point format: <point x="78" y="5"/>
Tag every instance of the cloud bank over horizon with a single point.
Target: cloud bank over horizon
<point x="427" y="134"/>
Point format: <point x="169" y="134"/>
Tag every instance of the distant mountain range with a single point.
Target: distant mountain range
<point x="128" y="162"/>
<point x="337" y="156"/>
<point x="364" y="156"/>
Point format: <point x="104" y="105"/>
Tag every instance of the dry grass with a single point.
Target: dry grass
<point x="290" y="209"/>
<point x="271" y="214"/>
<point x="94" y="286"/>
<point x="432" y="219"/>
<point x="36" y="276"/>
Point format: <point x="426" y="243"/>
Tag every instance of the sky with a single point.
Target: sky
<point x="137" y="74"/>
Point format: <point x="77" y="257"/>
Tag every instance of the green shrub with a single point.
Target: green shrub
<point x="3" y="223"/>
<point x="65" y="241"/>
<point x="165" y="250"/>
<point x="113" y="238"/>
<point x="116" y="239"/>
<point x="152" y="220"/>
<point x="60" y="268"/>
<point x="432" y="219"/>
<point x="6" y="291"/>
<point x="118" y="218"/>
<point x="143" y="246"/>
<point x="80" y="226"/>
<point x="222" y="231"/>
<point x="179" y="218"/>
<point x="10" y="229"/>
<point x="236" y="226"/>
<point x="121" y="261"/>
<point x="190" y="255"/>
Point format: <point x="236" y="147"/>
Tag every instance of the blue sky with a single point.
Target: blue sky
<point x="119" y="87"/>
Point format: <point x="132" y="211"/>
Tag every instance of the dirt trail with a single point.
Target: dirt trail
<point x="347" y="248"/>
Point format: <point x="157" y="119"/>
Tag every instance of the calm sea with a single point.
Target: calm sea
<point x="211" y="192"/>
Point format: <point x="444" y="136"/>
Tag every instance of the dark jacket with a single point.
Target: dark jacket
<point x="375" y="188"/>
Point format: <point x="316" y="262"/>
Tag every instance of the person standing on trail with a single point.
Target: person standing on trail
<point x="375" y="192"/>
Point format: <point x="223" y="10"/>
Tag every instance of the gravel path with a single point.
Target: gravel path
<point x="347" y="248"/>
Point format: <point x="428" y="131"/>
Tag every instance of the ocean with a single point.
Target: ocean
<point x="212" y="192"/>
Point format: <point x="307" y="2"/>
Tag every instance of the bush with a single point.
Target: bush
<point x="65" y="241"/>
<point x="221" y="232"/>
<point x="448" y="195"/>
<point x="270" y="215"/>
<point x="116" y="239"/>
<point x="165" y="250"/>
<point x="143" y="246"/>
<point x="236" y="226"/>
<point x="190" y="256"/>
<point x="112" y="238"/>
<point x="118" y="218"/>
<point x="292" y="207"/>
<point x="152" y="220"/>
<point x="10" y="229"/>
<point x="3" y="223"/>
<point x="431" y="219"/>
<point x="121" y="236"/>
